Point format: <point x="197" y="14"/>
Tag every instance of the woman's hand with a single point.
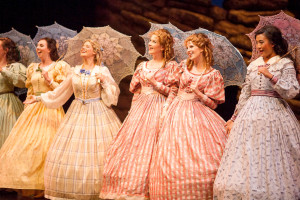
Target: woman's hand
<point x="228" y="126"/>
<point x="196" y="90"/>
<point x="100" y="77"/>
<point x="264" y="70"/>
<point x="151" y="79"/>
<point x="30" y="99"/>
<point x="46" y="77"/>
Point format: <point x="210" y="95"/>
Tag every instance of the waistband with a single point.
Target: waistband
<point x="149" y="90"/>
<point x="86" y="101"/>
<point x="268" y="93"/>
<point x="187" y="96"/>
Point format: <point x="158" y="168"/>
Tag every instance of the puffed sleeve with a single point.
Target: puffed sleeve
<point x="110" y="90"/>
<point x="15" y="74"/>
<point x="60" y="95"/>
<point x="164" y="88"/>
<point x="245" y="94"/>
<point x="135" y="84"/>
<point x="287" y="85"/>
<point x="173" y="81"/>
<point x="213" y="93"/>
<point x="28" y="83"/>
<point x="59" y="73"/>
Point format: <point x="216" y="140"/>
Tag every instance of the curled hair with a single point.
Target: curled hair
<point x="51" y="45"/>
<point x="273" y="34"/>
<point x="166" y="40"/>
<point x="12" y="51"/>
<point x="97" y="49"/>
<point x="203" y="42"/>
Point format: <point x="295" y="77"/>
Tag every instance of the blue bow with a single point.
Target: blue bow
<point x="86" y="72"/>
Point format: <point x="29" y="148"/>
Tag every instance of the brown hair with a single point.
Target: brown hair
<point x="203" y="42"/>
<point x="97" y="49"/>
<point x="13" y="54"/>
<point x="166" y="41"/>
<point x="51" y="45"/>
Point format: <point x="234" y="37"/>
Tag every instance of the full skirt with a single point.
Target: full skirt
<point x="10" y="109"/>
<point x="74" y="164"/>
<point x="128" y="158"/>
<point x="22" y="156"/>
<point x="188" y="153"/>
<point x="262" y="155"/>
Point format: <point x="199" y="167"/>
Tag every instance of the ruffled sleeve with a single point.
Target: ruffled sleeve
<point x="28" y="83"/>
<point x="245" y="94"/>
<point x="59" y="73"/>
<point x="135" y="84"/>
<point x="60" y="95"/>
<point x="110" y="90"/>
<point x="15" y="74"/>
<point x="213" y="93"/>
<point x="287" y="85"/>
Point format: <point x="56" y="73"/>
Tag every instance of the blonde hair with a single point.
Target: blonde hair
<point x="167" y="42"/>
<point x="97" y="49"/>
<point x="203" y="42"/>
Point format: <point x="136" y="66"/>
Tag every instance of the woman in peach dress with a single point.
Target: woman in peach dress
<point x="192" y="138"/>
<point x="24" y="152"/>
<point x="125" y="174"/>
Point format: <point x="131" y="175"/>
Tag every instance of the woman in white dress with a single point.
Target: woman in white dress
<point x="262" y="155"/>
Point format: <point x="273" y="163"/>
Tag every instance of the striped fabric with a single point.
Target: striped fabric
<point x="268" y="93"/>
<point x="125" y="173"/>
<point x="192" y="139"/>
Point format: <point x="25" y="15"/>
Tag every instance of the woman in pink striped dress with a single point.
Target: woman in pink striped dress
<point x="192" y="138"/>
<point x="125" y="174"/>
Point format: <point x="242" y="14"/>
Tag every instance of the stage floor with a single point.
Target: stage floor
<point x="14" y="196"/>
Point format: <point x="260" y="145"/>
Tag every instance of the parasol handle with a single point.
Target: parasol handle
<point x="60" y="58"/>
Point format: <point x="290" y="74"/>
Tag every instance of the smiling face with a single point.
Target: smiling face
<point x="87" y="50"/>
<point x="154" y="46"/>
<point x="264" y="46"/>
<point x="42" y="49"/>
<point x="193" y="51"/>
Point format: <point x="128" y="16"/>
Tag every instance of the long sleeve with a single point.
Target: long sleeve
<point x="110" y="90"/>
<point x="287" y="85"/>
<point x="59" y="73"/>
<point x="165" y="87"/>
<point x="15" y="74"/>
<point x="135" y="84"/>
<point x="244" y="96"/>
<point x="214" y="93"/>
<point x="28" y="83"/>
<point x="60" y="95"/>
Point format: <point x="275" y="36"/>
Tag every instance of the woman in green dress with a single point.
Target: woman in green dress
<point x="12" y="74"/>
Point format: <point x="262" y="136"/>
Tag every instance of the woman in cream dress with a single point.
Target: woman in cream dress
<point x="75" y="160"/>
<point x="24" y="152"/>
<point x="12" y="74"/>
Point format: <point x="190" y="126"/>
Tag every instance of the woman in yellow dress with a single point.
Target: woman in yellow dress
<point x="12" y="74"/>
<point x="24" y="152"/>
